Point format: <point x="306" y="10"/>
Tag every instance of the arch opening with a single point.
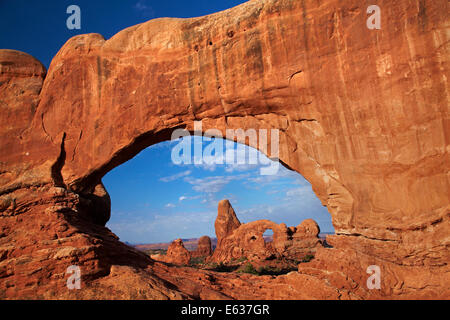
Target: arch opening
<point x="268" y="236"/>
<point x="155" y="201"/>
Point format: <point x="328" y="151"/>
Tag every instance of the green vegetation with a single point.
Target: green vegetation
<point x="195" y="262"/>
<point x="156" y="251"/>
<point x="239" y="260"/>
<point x="271" y="271"/>
<point x="242" y="265"/>
<point x="267" y="270"/>
<point x="249" y="268"/>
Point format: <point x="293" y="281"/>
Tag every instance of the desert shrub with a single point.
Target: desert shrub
<point x="156" y="251"/>
<point x="196" y="261"/>
<point x="307" y="258"/>
<point x="262" y="271"/>
<point x="238" y="260"/>
<point x="249" y="268"/>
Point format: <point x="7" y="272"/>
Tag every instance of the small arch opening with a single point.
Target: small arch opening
<point x="268" y="236"/>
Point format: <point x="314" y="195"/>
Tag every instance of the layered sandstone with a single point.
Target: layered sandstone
<point x="363" y="115"/>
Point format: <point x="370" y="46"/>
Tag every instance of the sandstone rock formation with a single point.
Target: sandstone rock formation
<point x="303" y="239"/>
<point x="226" y="221"/>
<point x="236" y="240"/>
<point x="363" y="116"/>
<point x="203" y="247"/>
<point x="176" y="254"/>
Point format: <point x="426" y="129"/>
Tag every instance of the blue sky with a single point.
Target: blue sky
<point x="39" y="27"/>
<point x="154" y="200"/>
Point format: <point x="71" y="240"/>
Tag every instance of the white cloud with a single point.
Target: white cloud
<point x="170" y="205"/>
<point x="299" y="192"/>
<point x="165" y="228"/>
<point x="144" y="9"/>
<point x="212" y="184"/>
<point x="182" y="198"/>
<point x="176" y="176"/>
<point x="264" y="180"/>
<point x="234" y="157"/>
<point x="241" y="167"/>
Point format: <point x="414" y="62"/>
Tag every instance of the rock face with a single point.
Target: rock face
<point x="362" y="114"/>
<point x="226" y="221"/>
<point x="305" y="239"/>
<point x="246" y="240"/>
<point x="203" y="247"/>
<point x="176" y="254"/>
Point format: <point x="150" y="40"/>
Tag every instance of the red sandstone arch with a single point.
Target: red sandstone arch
<point x="363" y="116"/>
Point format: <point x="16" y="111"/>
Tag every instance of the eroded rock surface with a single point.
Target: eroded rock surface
<point x="203" y="247"/>
<point x="363" y="115"/>
<point x="246" y="240"/>
<point x="176" y="254"/>
<point x="226" y="221"/>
